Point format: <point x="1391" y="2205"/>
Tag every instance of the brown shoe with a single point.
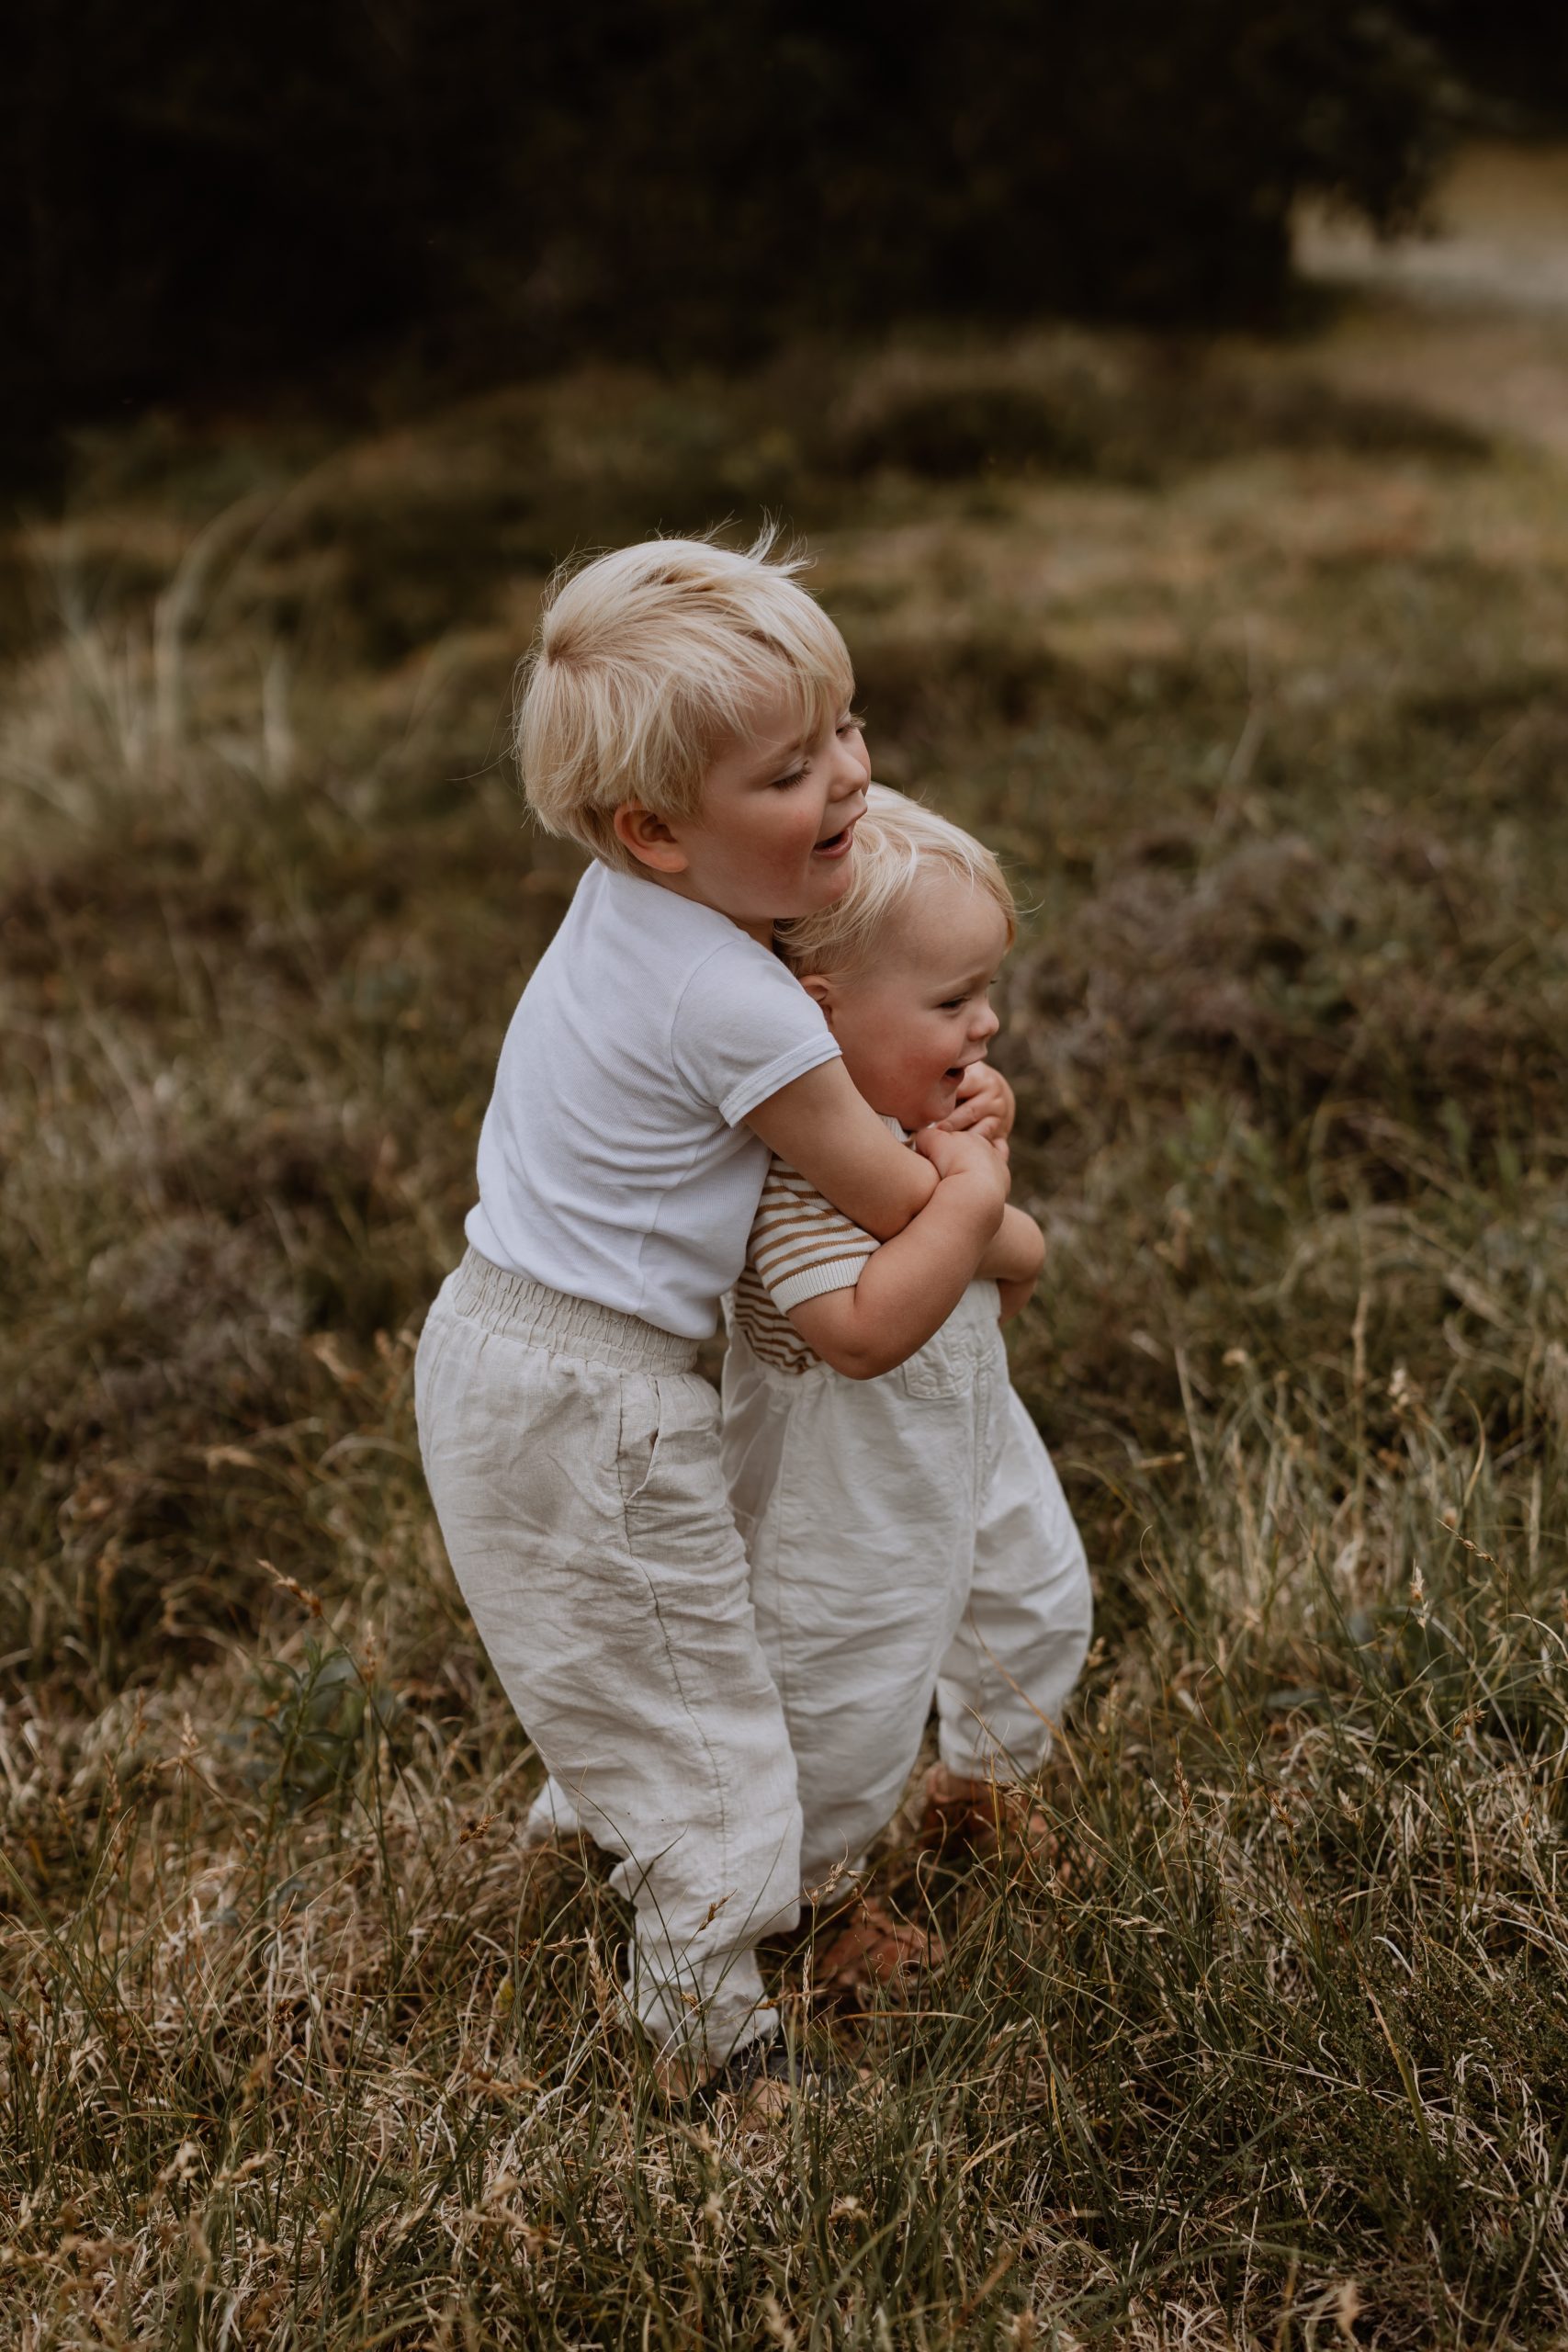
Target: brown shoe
<point x="871" y="1948"/>
<point x="985" y="1817"/>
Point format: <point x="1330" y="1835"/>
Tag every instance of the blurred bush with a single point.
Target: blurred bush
<point x="1512" y="53"/>
<point x="194" y="197"/>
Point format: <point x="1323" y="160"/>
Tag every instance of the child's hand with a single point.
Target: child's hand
<point x="985" y="1104"/>
<point x="970" y="1157"/>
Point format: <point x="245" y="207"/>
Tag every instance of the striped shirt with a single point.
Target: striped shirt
<point x="801" y="1247"/>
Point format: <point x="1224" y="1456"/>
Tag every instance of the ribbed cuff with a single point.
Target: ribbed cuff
<point x="816" y="1282"/>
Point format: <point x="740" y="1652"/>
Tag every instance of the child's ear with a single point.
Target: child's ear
<point x="820" y="990"/>
<point x="648" y="837"/>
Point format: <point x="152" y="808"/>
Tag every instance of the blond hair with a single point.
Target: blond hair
<point x="897" y="843"/>
<point x="647" y="662"/>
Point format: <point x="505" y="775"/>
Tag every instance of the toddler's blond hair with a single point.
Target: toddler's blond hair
<point x="646" y="664"/>
<point x="897" y="843"/>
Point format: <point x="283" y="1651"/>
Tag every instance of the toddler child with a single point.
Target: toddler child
<point x="907" y="1531"/>
<point x="686" y="717"/>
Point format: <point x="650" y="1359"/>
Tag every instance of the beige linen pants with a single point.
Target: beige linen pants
<point x="908" y="1536"/>
<point x="573" y="1457"/>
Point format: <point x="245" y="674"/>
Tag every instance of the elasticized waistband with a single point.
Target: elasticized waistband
<point x="514" y="1307"/>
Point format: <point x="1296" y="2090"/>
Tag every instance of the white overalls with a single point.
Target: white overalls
<point x="907" y="1536"/>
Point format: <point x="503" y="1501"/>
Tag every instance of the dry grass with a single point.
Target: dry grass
<point x="1259" y="690"/>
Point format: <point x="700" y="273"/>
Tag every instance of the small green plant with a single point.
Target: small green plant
<point x="317" y="1725"/>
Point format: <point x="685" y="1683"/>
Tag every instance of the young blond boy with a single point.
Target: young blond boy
<point x="686" y="717"/>
<point x="907" y="1530"/>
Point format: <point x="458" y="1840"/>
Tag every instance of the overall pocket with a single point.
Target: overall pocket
<point x="942" y="1368"/>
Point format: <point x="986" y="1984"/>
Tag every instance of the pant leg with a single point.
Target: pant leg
<point x="551" y="1814"/>
<point x="856" y="1500"/>
<point x="1021" y="1641"/>
<point x="584" y="1512"/>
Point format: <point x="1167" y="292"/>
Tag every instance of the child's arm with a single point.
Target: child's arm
<point x="1013" y="1261"/>
<point x="988" y="1106"/>
<point x="907" y="1289"/>
<point x="821" y="1125"/>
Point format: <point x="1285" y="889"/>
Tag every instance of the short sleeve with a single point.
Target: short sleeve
<point x="802" y="1246"/>
<point x="744" y="1027"/>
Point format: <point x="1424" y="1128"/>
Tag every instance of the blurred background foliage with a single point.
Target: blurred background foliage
<point x="203" y="200"/>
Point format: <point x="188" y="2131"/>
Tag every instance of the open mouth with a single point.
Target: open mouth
<point x="835" y="846"/>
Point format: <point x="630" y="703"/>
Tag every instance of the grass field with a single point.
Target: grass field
<point x="1257" y="684"/>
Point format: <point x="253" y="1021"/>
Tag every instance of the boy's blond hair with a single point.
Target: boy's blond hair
<point x="896" y="842"/>
<point x="649" y="661"/>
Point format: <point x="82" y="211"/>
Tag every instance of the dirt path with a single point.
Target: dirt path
<point x="1472" y="320"/>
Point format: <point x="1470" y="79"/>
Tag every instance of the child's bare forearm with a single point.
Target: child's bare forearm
<point x="909" y="1289"/>
<point x="821" y="1127"/>
<point x="1017" y="1253"/>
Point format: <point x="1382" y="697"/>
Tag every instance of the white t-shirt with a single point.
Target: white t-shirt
<point x="613" y="1164"/>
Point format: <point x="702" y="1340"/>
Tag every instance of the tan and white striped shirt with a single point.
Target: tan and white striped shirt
<point x="801" y="1247"/>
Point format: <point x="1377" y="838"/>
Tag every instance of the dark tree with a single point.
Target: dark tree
<point x="195" y="199"/>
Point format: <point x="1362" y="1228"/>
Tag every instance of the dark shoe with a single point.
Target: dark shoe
<point x="767" y="2074"/>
